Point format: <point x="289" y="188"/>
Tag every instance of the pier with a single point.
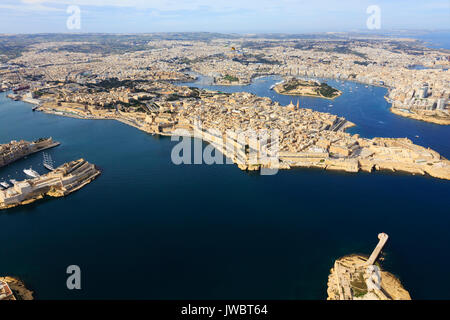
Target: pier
<point x="383" y="237"/>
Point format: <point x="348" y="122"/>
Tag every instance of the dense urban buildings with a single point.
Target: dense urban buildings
<point x="138" y="88"/>
<point x="139" y="80"/>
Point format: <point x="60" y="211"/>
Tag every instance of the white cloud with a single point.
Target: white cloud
<point x="171" y="5"/>
<point x="32" y="6"/>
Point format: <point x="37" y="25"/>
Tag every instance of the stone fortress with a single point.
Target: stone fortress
<point x="355" y="277"/>
<point x="65" y="179"/>
<point x="16" y="150"/>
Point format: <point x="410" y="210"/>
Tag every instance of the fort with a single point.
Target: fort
<point x="306" y="138"/>
<point x="60" y="182"/>
<point x="355" y="277"/>
<point x="308" y="88"/>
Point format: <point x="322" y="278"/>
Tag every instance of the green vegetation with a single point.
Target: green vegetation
<point x="141" y="109"/>
<point x="194" y="93"/>
<point x="362" y="63"/>
<point x="115" y="83"/>
<point x="346" y="50"/>
<point x="358" y="285"/>
<point x="327" y="91"/>
<point x="38" y="93"/>
<point x="230" y="78"/>
<point x="173" y="97"/>
<point x="322" y="89"/>
<point x="255" y="58"/>
<point x="291" y="86"/>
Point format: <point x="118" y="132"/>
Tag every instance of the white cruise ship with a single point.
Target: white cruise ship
<point x="31" y="173"/>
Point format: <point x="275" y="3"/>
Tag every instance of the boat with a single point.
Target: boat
<point x="4" y="184"/>
<point x="13" y="181"/>
<point x="31" y="173"/>
<point x="330" y="105"/>
<point x="48" y="162"/>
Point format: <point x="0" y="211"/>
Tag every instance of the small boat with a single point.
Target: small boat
<point x="417" y="136"/>
<point x="330" y="105"/>
<point x="13" y="181"/>
<point x="48" y="162"/>
<point x="5" y="184"/>
<point x="31" y="173"/>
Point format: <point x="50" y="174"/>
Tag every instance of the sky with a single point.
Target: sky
<point x="229" y="16"/>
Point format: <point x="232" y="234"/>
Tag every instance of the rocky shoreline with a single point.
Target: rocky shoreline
<point x="395" y="160"/>
<point x="18" y="288"/>
<point x="415" y="116"/>
<point x="357" y="277"/>
<point x="350" y="275"/>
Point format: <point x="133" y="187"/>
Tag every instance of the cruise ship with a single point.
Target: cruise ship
<point x="31" y="173"/>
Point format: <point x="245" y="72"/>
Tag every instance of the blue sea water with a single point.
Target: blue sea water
<point x="149" y="229"/>
<point x="438" y="39"/>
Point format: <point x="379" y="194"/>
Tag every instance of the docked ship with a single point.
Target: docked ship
<point x="31" y="173"/>
<point x="48" y="162"/>
<point x="4" y="184"/>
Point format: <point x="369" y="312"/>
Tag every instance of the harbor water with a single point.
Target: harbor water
<point x="166" y="231"/>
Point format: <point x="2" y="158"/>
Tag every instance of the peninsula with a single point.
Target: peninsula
<point x="65" y="179"/>
<point x="356" y="277"/>
<point x="308" y="88"/>
<point x="16" y="150"/>
<point x="14" y="289"/>
<point x="433" y="116"/>
<point x="306" y="138"/>
<point x="138" y="88"/>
